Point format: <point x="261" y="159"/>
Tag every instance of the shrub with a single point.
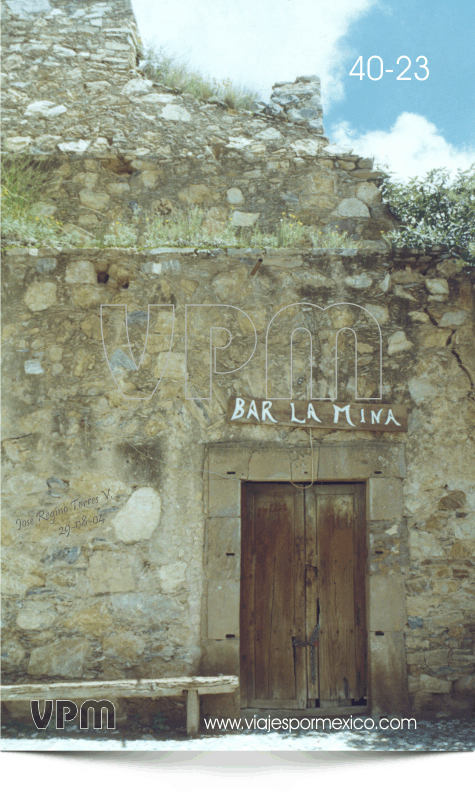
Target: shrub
<point x="434" y="210"/>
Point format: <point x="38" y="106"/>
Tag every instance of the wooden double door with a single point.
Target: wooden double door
<point x="303" y="589"/>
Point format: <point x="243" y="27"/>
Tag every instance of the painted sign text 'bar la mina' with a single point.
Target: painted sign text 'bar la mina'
<point x="327" y="415"/>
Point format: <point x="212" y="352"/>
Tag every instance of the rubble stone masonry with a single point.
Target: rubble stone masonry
<point x="121" y="592"/>
<point x="121" y="147"/>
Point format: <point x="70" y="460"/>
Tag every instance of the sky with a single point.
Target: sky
<point x="409" y="126"/>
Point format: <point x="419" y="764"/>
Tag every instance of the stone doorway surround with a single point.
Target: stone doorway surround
<point x="378" y="464"/>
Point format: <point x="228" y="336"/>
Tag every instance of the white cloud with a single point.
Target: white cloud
<point x="256" y="42"/>
<point x="412" y="147"/>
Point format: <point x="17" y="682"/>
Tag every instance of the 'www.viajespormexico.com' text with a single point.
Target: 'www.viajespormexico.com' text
<point x="309" y="724"/>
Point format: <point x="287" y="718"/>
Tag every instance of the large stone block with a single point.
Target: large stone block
<point x="81" y="271"/>
<point x="387" y="604"/>
<point x="424" y="544"/>
<point x="241" y="219"/>
<point x="465" y="685"/>
<point x="198" y="194"/>
<point x="234" y="196"/>
<point x="398" y="343"/>
<point x="66" y="658"/>
<point x="124" y="646"/>
<point x="437" y="657"/>
<point x="176" y="113"/>
<point x="140" y="516"/>
<point x="430" y="684"/>
<point x="40" y="296"/>
<point x="437" y="287"/>
<point x="446" y="617"/>
<point x="36" y="615"/>
<point x="361" y="460"/>
<point x="221" y="656"/>
<point x="173" y="576"/>
<point x="230" y="460"/>
<point x="97" y="201"/>
<point x="368" y="193"/>
<point x="304" y="464"/>
<point x="223" y="609"/>
<point x="90" y="617"/>
<point x="389" y="693"/>
<point x="224" y="548"/>
<point x="132" y="609"/>
<point x="224" y="497"/>
<point x="269" y="464"/>
<point x="385" y="499"/>
<point x="112" y="572"/>
<point x="12" y="654"/>
<point x="21" y="574"/>
<point x="352" y="208"/>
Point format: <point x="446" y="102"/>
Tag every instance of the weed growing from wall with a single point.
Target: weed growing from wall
<point x="25" y="181"/>
<point x="186" y="229"/>
<point x="119" y="234"/>
<point x="175" y="73"/>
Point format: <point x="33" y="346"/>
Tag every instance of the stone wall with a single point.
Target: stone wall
<point x="121" y="147"/>
<point x="124" y="590"/>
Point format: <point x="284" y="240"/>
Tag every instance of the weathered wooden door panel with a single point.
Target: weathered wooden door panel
<point x="312" y="604"/>
<point x="335" y="517"/>
<point x="273" y="599"/>
<point x="303" y="563"/>
<point x="335" y="589"/>
<point x="337" y="669"/>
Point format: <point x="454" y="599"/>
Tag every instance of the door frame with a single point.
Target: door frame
<point x="377" y="463"/>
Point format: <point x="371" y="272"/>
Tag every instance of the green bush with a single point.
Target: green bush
<point x="434" y="209"/>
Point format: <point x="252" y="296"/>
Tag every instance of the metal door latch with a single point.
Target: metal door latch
<point x="312" y="642"/>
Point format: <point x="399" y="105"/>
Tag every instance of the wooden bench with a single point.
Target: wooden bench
<point x="129" y="688"/>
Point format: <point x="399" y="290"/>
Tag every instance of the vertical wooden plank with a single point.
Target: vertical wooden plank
<point x="247" y="617"/>
<point x="263" y="594"/>
<point x="192" y="713"/>
<point x="274" y="599"/>
<point x="282" y="617"/>
<point x="299" y="630"/>
<point x="311" y="584"/>
<point x="335" y="524"/>
<point x="360" y="592"/>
